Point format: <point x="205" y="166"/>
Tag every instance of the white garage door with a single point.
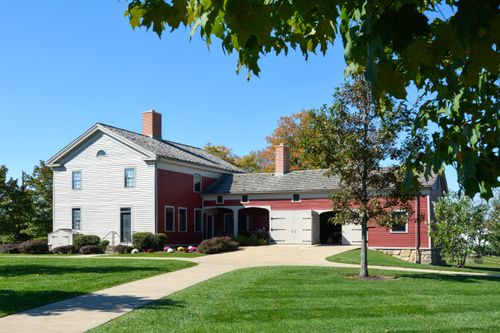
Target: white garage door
<point x="351" y="234"/>
<point x="291" y="227"/>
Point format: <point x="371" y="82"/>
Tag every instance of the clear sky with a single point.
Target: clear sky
<point x="66" y="65"/>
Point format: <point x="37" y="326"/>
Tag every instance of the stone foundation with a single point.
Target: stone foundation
<point x="427" y="256"/>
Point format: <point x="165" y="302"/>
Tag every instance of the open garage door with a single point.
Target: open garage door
<point x="291" y="227"/>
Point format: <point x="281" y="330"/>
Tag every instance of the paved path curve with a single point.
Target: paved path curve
<point x="82" y="313"/>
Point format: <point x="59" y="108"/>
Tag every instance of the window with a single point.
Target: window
<point x="198" y="220"/>
<point x="220" y="199"/>
<point x="101" y="153"/>
<point x="244" y="223"/>
<point x="169" y="218"/>
<point x="296" y="198"/>
<point x="76" y="218"/>
<point x="244" y="198"/>
<point x="129" y="176"/>
<point x="77" y="180"/>
<point x="182" y="219"/>
<point x="400" y="223"/>
<point x="228" y="223"/>
<point x="197" y="183"/>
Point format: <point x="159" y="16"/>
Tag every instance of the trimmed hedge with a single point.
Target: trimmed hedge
<point x="67" y="249"/>
<point x="218" y="245"/>
<point x="144" y="241"/>
<point x="122" y="249"/>
<point x="90" y="249"/>
<point x="82" y="240"/>
<point x="34" y="247"/>
<point x="104" y="244"/>
<point x="9" y="248"/>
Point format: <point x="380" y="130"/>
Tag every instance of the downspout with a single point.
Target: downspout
<point x="417" y="233"/>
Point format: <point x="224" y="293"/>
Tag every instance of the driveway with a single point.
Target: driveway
<point x="85" y="312"/>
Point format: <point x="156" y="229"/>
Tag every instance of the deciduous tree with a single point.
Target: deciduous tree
<point x="452" y="59"/>
<point x="460" y="228"/>
<point x="353" y="142"/>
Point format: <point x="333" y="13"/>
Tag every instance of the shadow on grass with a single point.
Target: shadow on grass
<point x="450" y="278"/>
<point x="54" y="302"/>
<point x="30" y="269"/>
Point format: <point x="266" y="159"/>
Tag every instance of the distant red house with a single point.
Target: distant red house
<point x="113" y="182"/>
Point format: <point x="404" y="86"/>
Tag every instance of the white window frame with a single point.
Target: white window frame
<point x="165" y="218"/>
<point x="179" y="219"/>
<point x="406" y="224"/>
<point x="73" y="179"/>
<point x="194" y="183"/>
<point x="248" y="198"/>
<point x="217" y="200"/>
<point x="194" y="219"/>
<point x="125" y="177"/>
<point x="72" y="218"/>
<point x="300" y="197"/>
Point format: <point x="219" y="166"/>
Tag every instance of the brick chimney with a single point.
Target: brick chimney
<point x="281" y="160"/>
<point x="151" y="124"/>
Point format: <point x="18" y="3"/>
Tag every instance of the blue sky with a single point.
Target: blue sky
<point x="66" y="65"/>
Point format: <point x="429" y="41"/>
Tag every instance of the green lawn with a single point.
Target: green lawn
<point x="322" y="299"/>
<point x="28" y="282"/>
<point x="160" y="254"/>
<point x="490" y="265"/>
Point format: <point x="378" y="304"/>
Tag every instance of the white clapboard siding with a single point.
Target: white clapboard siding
<point x="103" y="192"/>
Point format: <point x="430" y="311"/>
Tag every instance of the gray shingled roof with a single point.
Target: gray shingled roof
<point x="174" y="150"/>
<point x="294" y="181"/>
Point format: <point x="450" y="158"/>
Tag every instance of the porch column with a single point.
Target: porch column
<point x="235" y="222"/>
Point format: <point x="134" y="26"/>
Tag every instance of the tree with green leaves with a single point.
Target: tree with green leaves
<point x="39" y="185"/>
<point x="353" y="142"/>
<point x="493" y="226"/>
<point x="460" y="228"/>
<point x="452" y="60"/>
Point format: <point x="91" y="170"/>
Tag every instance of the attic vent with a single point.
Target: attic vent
<point x="101" y="153"/>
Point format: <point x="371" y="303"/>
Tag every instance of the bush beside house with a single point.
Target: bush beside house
<point x="218" y="245"/>
<point x="144" y="241"/>
<point x="35" y="246"/>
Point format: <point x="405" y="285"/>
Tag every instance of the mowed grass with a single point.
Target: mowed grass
<point x="28" y="282"/>
<point x="322" y="299"/>
<point x="490" y="265"/>
<point x="160" y="254"/>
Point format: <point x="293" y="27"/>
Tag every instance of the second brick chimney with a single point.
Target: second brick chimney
<point x="281" y="160"/>
<point x="151" y="124"/>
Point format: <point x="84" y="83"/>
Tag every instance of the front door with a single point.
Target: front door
<point x="125" y="225"/>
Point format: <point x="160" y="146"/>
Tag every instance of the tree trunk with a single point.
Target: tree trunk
<point x="363" y="272"/>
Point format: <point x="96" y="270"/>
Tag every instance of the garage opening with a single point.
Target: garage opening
<point x="254" y="221"/>
<point x="329" y="233"/>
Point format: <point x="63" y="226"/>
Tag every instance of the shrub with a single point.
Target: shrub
<point x="82" y="240"/>
<point x="159" y="241"/>
<point x="142" y="240"/>
<point x="250" y="240"/>
<point x="104" y="244"/>
<point x="90" y="249"/>
<point x="147" y="240"/>
<point x="217" y="245"/>
<point x="34" y="247"/>
<point x="67" y="249"/>
<point x="262" y="241"/>
<point x="122" y="249"/>
<point x="9" y="248"/>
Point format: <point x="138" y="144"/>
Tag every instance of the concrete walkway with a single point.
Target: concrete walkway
<point x="85" y="312"/>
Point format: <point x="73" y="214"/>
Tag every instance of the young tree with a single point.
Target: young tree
<point x="451" y="59"/>
<point x="353" y="142"/>
<point x="460" y="228"/>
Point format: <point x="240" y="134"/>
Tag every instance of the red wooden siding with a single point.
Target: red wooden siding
<point x="382" y="237"/>
<point x="176" y="189"/>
